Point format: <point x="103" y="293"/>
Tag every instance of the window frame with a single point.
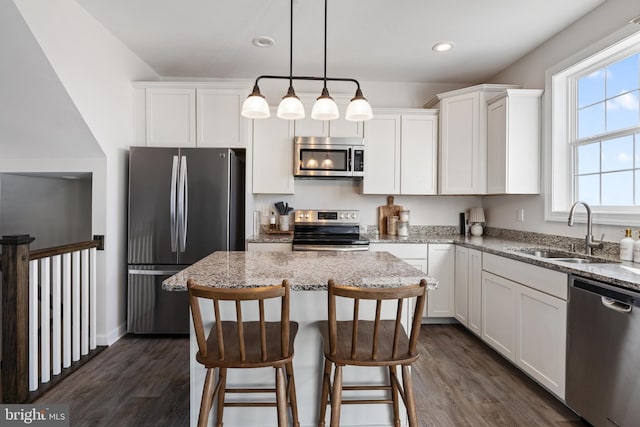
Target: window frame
<point x="560" y="123"/>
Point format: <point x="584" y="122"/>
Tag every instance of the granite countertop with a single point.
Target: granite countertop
<point x="304" y="270"/>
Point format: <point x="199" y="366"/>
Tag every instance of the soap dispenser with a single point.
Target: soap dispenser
<point x="636" y="249"/>
<point x="627" y="246"/>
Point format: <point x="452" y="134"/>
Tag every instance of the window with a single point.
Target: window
<point x="595" y="134"/>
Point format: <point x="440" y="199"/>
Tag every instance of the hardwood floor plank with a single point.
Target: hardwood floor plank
<point x="458" y="382"/>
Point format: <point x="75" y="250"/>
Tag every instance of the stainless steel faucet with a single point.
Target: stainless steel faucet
<point x="589" y="243"/>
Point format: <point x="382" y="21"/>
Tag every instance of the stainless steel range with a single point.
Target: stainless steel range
<point x="328" y="230"/>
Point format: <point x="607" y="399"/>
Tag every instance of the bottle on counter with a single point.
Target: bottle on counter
<point x="272" y="221"/>
<point x="636" y="249"/>
<point x="627" y="245"/>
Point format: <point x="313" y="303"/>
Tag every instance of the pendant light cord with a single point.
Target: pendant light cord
<point x="291" y="46"/>
<point x="325" y="44"/>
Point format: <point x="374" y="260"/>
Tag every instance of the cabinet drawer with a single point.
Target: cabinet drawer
<point x="402" y="250"/>
<point x="543" y="279"/>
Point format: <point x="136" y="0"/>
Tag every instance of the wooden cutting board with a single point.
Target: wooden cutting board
<point x="386" y="211"/>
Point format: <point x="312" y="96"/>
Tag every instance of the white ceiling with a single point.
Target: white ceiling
<point x="371" y="40"/>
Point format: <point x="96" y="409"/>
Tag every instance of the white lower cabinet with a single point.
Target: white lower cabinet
<point x="441" y="262"/>
<point x="269" y="247"/>
<point x="499" y="309"/>
<point x="526" y="322"/>
<point x="467" y="288"/>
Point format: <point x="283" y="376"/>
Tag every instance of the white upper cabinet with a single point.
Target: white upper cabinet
<point x="219" y="123"/>
<point x="190" y="115"/>
<point x="273" y="155"/>
<point x="382" y="155"/>
<point x="463" y="140"/>
<point x="401" y="152"/>
<point x="513" y="142"/>
<point x="170" y="117"/>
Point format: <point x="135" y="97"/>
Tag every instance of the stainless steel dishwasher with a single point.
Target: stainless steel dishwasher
<point x="603" y="353"/>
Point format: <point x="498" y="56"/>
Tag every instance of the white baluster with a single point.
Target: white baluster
<point x="84" y="304"/>
<point x="45" y="320"/>
<point x="33" y="325"/>
<point x="56" y="305"/>
<point x="66" y="310"/>
<point x="92" y="299"/>
<point x="75" y="306"/>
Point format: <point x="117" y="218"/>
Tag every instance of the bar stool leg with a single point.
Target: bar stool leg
<point x="394" y="395"/>
<point x="336" y="397"/>
<point x="326" y="379"/>
<point x="291" y="393"/>
<point x="207" y="398"/>
<point x="281" y="397"/>
<point x="408" y="393"/>
<point x="222" y="388"/>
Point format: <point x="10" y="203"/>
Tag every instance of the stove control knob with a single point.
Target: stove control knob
<point x="306" y="216"/>
<point x="353" y="215"/>
<point x="341" y="216"/>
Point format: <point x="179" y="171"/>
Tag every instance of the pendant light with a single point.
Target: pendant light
<point x="325" y="107"/>
<point x="291" y="107"/>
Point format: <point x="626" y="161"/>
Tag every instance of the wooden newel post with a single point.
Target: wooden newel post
<point x="15" y="318"/>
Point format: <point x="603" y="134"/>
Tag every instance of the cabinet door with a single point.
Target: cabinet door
<point x="497" y="147"/>
<point x="499" y="314"/>
<point x="272" y="155"/>
<point x="418" y="157"/>
<point x="461" y="285"/>
<point x="475" y="292"/>
<point x="461" y="156"/>
<point x="441" y="262"/>
<point x="542" y="328"/>
<point x="219" y="121"/>
<point x="170" y="117"/>
<point x="382" y="155"/>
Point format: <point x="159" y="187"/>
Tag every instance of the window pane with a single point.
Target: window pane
<point x="617" y="154"/>
<point x="637" y="150"/>
<point x="617" y="189"/>
<point x="622" y="111"/>
<point x="589" y="189"/>
<point x="591" y="89"/>
<point x="589" y="158"/>
<point x="591" y="120"/>
<point x="623" y="76"/>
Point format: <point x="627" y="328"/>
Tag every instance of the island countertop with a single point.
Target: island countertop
<point x="303" y="270"/>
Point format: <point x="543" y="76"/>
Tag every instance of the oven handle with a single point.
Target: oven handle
<point x="326" y="248"/>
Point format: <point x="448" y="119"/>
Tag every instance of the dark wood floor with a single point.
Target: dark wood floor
<point x="459" y="381"/>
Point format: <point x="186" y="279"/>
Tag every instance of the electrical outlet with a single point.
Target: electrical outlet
<point x="520" y="214"/>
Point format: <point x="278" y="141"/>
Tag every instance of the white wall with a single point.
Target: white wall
<point x="96" y="69"/>
<point x="529" y="72"/>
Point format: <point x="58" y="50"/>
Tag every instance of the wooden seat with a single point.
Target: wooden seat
<point x="376" y="342"/>
<point x="240" y="344"/>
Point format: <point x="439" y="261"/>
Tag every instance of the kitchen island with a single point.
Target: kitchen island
<point x="308" y="274"/>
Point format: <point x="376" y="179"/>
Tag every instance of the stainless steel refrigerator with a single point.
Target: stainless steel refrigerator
<point x="184" y="203"/>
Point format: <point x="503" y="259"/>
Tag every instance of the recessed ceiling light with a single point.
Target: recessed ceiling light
<point x="443" y="46"/>
<point x="263" y="41"/>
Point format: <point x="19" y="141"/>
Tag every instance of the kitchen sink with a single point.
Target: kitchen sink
<point x="563" y="256"/>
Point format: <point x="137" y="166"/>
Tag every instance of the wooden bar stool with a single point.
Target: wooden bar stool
<point x="240" y="344"/>
<point x="376" y="342"/>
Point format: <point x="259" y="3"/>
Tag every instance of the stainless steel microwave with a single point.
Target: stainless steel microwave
<point x="327" y="157"/>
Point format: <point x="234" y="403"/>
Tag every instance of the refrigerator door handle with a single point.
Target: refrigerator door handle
<point x="183" y="204"/>
<point x="172" y="204"/>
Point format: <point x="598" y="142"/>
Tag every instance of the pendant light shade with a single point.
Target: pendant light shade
<point x="255" y="106"/>
<point x="290" y="107"/>
<point x="358" y="109"/>
<point x="325" y="107"/>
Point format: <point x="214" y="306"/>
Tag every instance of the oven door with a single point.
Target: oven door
<point x="323" y="161"/>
